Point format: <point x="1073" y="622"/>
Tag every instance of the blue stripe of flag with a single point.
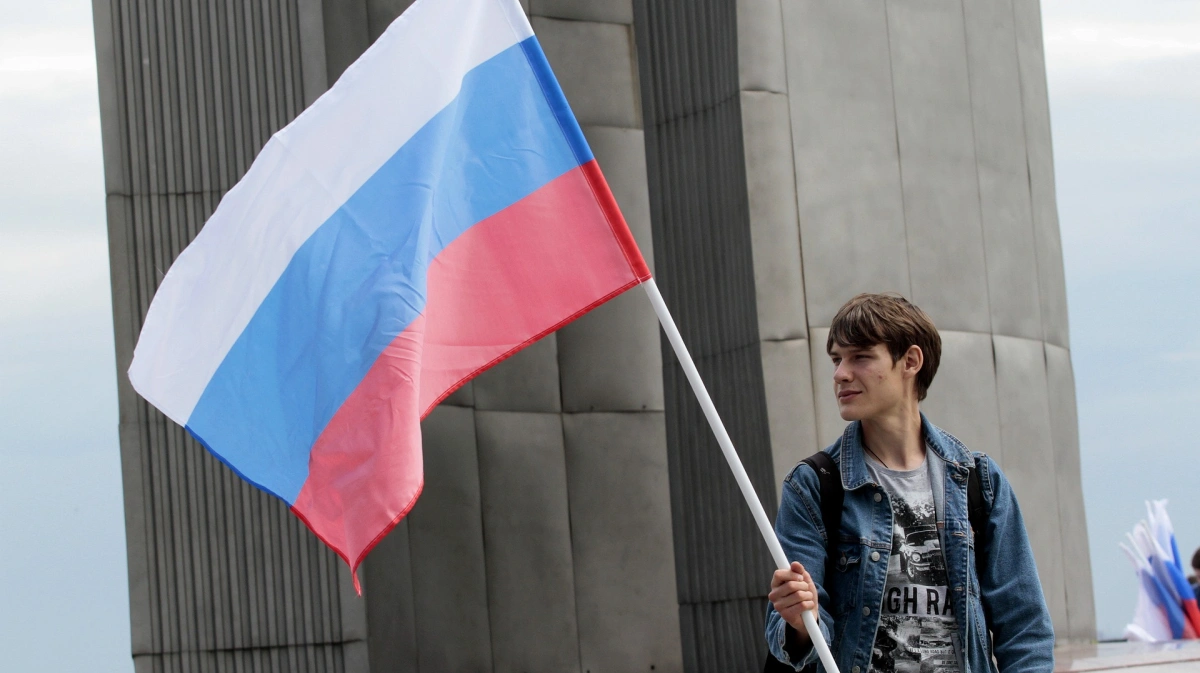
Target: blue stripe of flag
<point x="359" y="280"/>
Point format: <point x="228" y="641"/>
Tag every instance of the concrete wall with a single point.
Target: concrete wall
<point x="544" y="533"/>
<point x="920" y="163"/>
<point x="705" y="267"/>
<point x="221" y="576"/>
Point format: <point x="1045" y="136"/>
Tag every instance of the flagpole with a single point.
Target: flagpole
<point x="735" y="463"/>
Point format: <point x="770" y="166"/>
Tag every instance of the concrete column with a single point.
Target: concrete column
<point x="709" y="237"/>
<point x="221" y="575"/>
<point x="543" y="539"/>
<point x="921" y="144"/>
<point x="775" y="231"/>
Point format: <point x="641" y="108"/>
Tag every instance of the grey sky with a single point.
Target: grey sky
<point x="63" y="598"/>
<point x="1125" y="96"/>
<point x="1124" y="82"/>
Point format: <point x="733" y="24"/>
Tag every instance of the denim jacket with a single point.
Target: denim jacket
<point x="1004" y="599"/>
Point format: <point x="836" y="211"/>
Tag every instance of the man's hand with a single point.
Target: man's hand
<point x="793" y="593"/>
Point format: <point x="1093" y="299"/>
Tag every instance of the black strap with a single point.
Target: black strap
<point x="977" y="513"/>
<point x="977" y="509"/>
<point x="832" y="496"/>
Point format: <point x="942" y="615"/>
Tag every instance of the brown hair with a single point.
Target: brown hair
<point x="893" y="321"/>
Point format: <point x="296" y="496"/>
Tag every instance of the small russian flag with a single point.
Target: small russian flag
<point x="1166" y="608"/>
<point x="435" y="211"/>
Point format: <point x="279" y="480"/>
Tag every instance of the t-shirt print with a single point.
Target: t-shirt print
<point x="916" y="623"/>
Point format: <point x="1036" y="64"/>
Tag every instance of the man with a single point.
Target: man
<point x="1194" y="580"/>
<point x="904" y="584"/>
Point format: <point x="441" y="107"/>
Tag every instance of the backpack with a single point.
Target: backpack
<point x="832" y="497"/>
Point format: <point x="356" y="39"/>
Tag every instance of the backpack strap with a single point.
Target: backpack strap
<point x="832" y="496"/>
<point x="978" y="512"/>
<point x="977" y="509"/>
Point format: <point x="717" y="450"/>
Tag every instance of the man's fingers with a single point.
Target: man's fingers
<point x="790" y="588"/>
<point x="812" y="604"/>
<point x="808" y="580"/>
<point x="783" y="576"/>
<point x="792" y="591"/>
<point x="785" y="602"/>
<point x="804" y="573"/>
<point x="793" y="612"/>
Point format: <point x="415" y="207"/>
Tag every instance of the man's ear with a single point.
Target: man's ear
<point x="913" y="359"/>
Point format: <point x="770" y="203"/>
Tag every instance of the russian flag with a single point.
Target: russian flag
<point x="435" y="211"/>
<point x="1167" y="562"/>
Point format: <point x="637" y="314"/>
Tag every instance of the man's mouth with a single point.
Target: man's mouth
<point x="846" y="395"/>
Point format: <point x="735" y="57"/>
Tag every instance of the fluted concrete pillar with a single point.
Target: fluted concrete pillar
<point x="921" y="144"/>
<point x="543" y="539"/>
<point x="221" y="575"/>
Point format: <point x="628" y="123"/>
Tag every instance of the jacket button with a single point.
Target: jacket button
<point x="874" y="556"/>
<point x="878" y="497"/>
<point x="856" y="669"/>
<point x="866" y="612"/>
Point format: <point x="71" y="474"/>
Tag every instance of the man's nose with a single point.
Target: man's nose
<point x="840" y="374"/>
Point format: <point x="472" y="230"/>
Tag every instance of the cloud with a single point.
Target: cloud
<point x="51" y="172"/>
<point x="51" y="51"/>
<point x="55" y="311"/>
<point x="46" y="273"/>
<point x="1153" y="54"/>
<point x="1090" y="44"/>
<point x="1122" y="49"/>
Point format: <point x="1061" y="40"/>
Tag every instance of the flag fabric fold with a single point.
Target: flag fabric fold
<point x="434" y="212"/>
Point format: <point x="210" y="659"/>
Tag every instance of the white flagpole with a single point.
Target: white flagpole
<point x="735" y="463"/>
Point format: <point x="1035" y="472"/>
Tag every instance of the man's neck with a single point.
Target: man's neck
<point x="895" y="438"/>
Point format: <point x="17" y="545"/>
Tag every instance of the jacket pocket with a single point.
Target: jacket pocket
<point x="845" y="580"/>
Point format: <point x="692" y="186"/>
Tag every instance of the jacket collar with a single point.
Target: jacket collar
<point x="853" y="463"/>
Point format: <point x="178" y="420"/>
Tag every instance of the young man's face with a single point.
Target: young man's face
<point x="867" y="383"/>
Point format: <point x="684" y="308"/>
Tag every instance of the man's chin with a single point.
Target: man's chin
<point x="849" y="413"/>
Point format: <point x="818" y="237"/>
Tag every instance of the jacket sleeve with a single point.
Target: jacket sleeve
<point x="801" y="533"/>
<point x="1013" y="603"/>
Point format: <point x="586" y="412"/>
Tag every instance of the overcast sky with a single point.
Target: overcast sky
<point x="64" y="602"/>
<point x="1124" y="82"/>
<point x="1125" y="104"/>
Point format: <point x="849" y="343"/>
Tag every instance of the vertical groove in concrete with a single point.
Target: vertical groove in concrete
<point x="688" y="67"/>
<point x="222" y="576"/>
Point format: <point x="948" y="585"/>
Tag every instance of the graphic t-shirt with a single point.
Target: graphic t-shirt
<point x="916" y="624"/>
